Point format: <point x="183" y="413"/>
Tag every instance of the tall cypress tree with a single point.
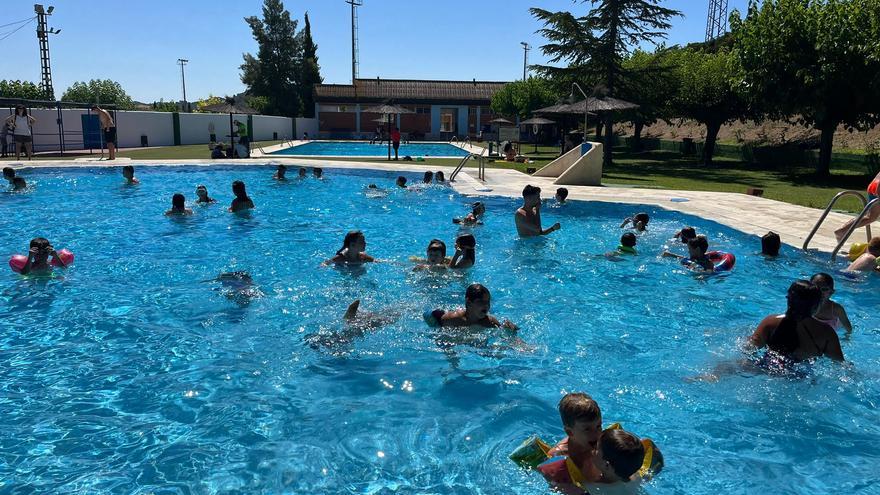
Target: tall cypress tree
<point x="595" y="45"/>
<point x="310" y="74"/>
<point x="274" y="72"/>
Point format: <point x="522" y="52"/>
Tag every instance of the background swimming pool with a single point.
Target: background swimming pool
<point x="360" y="148"/>
<point x="128" y="374"/>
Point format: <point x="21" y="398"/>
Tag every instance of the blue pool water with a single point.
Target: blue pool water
<point x="360" y="148"/>
<point x="129" y="374"/>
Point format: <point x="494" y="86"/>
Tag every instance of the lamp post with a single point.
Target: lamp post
<point x="182" y="62"/>
<point x="526" y="48"/>
<point x="576" y="85"/>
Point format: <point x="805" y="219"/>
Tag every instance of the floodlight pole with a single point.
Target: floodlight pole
<point x="182" y="62"/>
<point x="43" y="33"/>
<point x="576" y="85"/>
<point x="526" y="48"/>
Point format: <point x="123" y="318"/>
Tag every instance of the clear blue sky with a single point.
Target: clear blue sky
<point x="138" y="42"/>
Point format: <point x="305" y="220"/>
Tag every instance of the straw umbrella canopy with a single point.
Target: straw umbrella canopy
<point x="387" y="109"/>
<point x="535" y="121"/>
<point x="230" y="108"/>
<point x="501" y="121"/>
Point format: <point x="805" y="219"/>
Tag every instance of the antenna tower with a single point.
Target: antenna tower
<point x="354" y="37"/>
<point x="716" y="25"/>
<point x="43" y="33"/>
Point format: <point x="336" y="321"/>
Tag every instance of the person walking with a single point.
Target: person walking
<point x="109" y="128"/>
<point x="22" y="126"/>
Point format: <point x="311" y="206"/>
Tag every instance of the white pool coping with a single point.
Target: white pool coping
<point x="748" y="214"/>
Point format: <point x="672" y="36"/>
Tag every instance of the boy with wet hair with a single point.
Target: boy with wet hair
<point x="128" y="174"/>
<point x="619" y="457"/>
<point x="561" y="195"/>
<point x="639" y="221"/>
<point x="528" y="216"/>
<point x="582" y="421"/>
<point x="477" y="303"/>
<point x="770" y="244"/>
<point x="686" y="234"/>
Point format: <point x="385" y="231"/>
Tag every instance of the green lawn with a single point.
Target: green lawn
<point x="649" y="169"/>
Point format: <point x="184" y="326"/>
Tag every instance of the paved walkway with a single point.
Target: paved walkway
<point x="748" y="214"/>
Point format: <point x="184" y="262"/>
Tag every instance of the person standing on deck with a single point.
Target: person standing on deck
<point x="109" y="128"/>
<point x="395" y="141"/>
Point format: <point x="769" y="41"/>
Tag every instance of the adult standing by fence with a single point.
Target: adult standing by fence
<point x="22" y="126"/>
<point x="109" y="128"/>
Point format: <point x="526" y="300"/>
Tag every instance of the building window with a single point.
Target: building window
<point x="447" y="122"/>
<point x="423" y="110"/>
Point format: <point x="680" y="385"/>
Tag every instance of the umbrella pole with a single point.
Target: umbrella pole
<point x="231" y="138"/>
<point x="388" y="133"/>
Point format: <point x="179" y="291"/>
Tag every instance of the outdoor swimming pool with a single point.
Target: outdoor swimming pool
<point x="129" y="374"/>
<point x="361" y="148"/>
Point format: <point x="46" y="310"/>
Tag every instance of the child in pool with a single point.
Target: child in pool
<point x="9" y="175"/>
<point x="352" y="251"/>
<point x="561" y="195"/>
<point x="685" y="234"/>
<point x="38" y="257"/>
<point x="242" y="201"/>
<point x="280" y="172"/>
<point x="178" y="206"/>
<point x="477" y="302"/>
<point x="303" y="173"/>
<point x="128" y="174"/>
<point x="18" y="184"/>
<point x="639" y="222"/>
<point x="318" y="173"/>
<point x="401" y="182"/>
<point x="435" y="256"/>
<point x="830" y="312"/>
<point x="465" y="252"/>
<point x="868" y="260"/>
<point x="582" y="422"/>
<point x="474" y="217"/>
<point x="439" y="177"/>
<point x="770" y="244"/>
<point x="627" y="246"/>
<point x="696" y="258"/>
<point x="203" y="198"/>
<point x="428" y="178"/>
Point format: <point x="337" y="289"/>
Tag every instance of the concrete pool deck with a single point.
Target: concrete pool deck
<point x="749" y="214"/>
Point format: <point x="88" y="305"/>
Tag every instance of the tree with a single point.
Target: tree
<point x="25" y="90"/>
<point x="99" y="91"/>
<point x="164" y="106"/>
<point x="651" y="83"/>
<point x="521" y="98"/>
<point x="274" y="72"/>
<point x="818" y="60"/>
<point x="595" y="45"/>
<point x="210" y="100"/>
<point x="709" y="91"/>
<point x="310" y="73"/>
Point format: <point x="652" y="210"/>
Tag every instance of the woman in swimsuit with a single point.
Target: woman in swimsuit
<point x="830" y="312"/>
<point x="797" y="335"/>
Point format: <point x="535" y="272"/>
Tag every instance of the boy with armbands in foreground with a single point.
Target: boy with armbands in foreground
<point x="590" y="460"/>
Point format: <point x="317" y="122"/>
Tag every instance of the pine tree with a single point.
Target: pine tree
<point x="274" y="72"/>
<point x="310" y="74"/>
<point x="595" y="45"/>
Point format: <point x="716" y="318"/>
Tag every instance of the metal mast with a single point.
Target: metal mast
<point x="182" y="62"/>
<point x="354" y="37"/>
<point x="716" y="25"/>
<point x="43" y="37"/>
<point x="526" y="48"/>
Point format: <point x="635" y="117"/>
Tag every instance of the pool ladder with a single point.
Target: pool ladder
<point x="866" y="208"/>
<point x="481" y="159"/>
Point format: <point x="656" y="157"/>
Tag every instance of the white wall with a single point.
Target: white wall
<point x="307" y="125"/>
<point x="265" y="126"/>
<point x="157" y="126"/>
<point x="194" y="127"/>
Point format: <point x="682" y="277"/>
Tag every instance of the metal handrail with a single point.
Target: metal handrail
<point x="874" y="202"/>
<point x="828" y="210"/>
<point x="464" y="161"/>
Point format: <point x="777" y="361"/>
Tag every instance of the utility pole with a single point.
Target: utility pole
<point x="354" y="37"/>
<point x="526" y="48"/>
<point x="182" y="62"/>
<point x="43" y="37"/>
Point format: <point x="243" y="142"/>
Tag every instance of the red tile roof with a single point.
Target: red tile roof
<point x="408" y="91"/>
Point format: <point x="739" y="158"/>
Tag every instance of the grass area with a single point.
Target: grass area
<point x="649" y="169"/>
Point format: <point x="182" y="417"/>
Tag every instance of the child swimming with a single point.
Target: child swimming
<point x="178" y="206"/>
<point x="352" y="251"/>
<point x="830" y="312"/>
<point x="439" y="177"/>
<point x="303" y="173"/>
<point x="477" y="302"/>
<point x="280" y="172"/>
<point x="474" y="217"/>
<point x="401" y="182"/>
<point x="128" y="174"/>
<point x="770" y="244"/>
<point x="242" y="201"/>
<point x="428" y="178"/>
<point x="696" y="258"/>
<point x="561" y="195"/>
<point x="639" y="221"/>
<point x="582" y="422"/>
<point x="202" y="193"/>
<point x="38" y="257"/>
<point x="435" y="256"/>
<point x="626" y="247"/>
<point x="318" y="173"/>
<point x="465" y="252"/>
